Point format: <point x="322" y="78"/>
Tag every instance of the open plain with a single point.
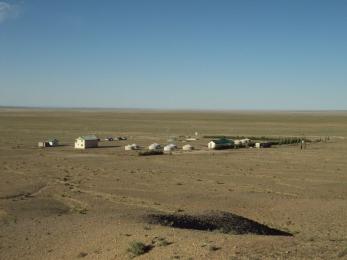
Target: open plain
<point x="62" y="203"/>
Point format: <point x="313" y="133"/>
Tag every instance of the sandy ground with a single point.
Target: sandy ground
<point x="61" y="203"/>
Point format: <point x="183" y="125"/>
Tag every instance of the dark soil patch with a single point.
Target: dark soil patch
<point x="223" y="222"/>
<point x="34" y="207"/>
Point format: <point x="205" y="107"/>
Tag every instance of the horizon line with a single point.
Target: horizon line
<point x="167" y="109"/>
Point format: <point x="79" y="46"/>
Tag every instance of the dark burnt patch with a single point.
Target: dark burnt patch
<point x="223" y="222"/>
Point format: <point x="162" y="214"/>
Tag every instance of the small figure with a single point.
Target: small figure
<point x="302" y="145"/>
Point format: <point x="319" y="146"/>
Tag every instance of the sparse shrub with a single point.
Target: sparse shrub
<point x="137" y="248"/>
<point x="213" y="248"/>
<point x="160" y="241"/>
<point x="82" y="210"/>
<point x="163" y="242"/>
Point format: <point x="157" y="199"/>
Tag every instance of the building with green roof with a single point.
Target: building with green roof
<point x="87" y="141"/>
<point x="221" y="143"/>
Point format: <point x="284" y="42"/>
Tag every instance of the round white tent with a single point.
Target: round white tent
<point x="131" y="147"/>
<point x="170" y="147"/>
<point x="187" y="147"/>
<point x="154" y="146"/>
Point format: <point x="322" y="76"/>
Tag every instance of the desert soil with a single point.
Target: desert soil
<point x="62" y="203"/>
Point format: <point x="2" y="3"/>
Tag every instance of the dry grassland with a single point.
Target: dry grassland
<point x="61" y="203"/>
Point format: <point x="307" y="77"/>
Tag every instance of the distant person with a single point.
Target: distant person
<point x="302" y="144"/>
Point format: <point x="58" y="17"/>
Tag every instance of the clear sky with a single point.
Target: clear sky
<point x="185" y="54"/>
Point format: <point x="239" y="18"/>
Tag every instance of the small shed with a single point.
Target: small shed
<point x="187" y="147"/>
<point x="48" y="143"/>
<point x="43" y="144"/>
<point x="154" y="146"/>
<point x="222" y="143"/>
<point x="88" y="141"/>
<point x="263" y="145"/>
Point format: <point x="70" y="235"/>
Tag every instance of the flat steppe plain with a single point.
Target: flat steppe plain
<point x="62" y="203"/>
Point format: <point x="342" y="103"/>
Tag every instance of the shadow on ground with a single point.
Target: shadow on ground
<point x="223" y="222"/>
<point x="109" y="146"/>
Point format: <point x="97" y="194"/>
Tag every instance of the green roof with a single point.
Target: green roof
<point x="223" y="141"/>
<point x="88" y="137"/>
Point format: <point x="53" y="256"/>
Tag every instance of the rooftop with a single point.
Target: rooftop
<point x="222" y="141"/>
<point x="88" y="137"/>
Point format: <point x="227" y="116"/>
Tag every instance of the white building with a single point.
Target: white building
<point x="88" y="141"/>
<point x="220" y="144"/>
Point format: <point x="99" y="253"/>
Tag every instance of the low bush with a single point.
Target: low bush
<point x="137" y="248"/>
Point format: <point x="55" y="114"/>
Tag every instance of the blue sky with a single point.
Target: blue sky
<point x="182" y="54"/>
